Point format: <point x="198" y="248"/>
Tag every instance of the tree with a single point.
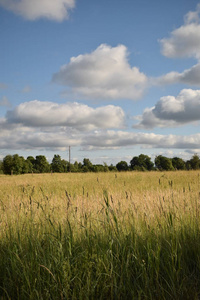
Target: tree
<point x="141" y="163"/>
<point x="163" y="163"/>
<point x="7" y="164"/>
<point x="57" y="165"/>
<point x="195" y="162"/>
<point x="112" y="168"/>
<point x="100" y="168"/>
<point x="1" y="167"/>
<point x="122" y="166"/>
<point x="27" y="167"/>
<point x="65" y="165"/>
<point x="87" y="165"/>
<point x="178" y="163"/>
<point x="30" y="164"/>
<point x="17" y="164"/>
<point x="41" y="164"/>
<point x="77" y="167"/>
<point x="105" y="167"/>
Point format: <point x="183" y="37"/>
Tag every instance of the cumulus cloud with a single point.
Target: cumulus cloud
<point x="190" y="76"/>
<point x="116" y="139"/>
<point x="82" y="117"/>
<point x="21" y="137"/>
<point x="34" y="9"/>
<point x="104" y="73"/>
<point x="184" y="42"/>
<point x="171" y="111"/>
<point x="50" y="126"/>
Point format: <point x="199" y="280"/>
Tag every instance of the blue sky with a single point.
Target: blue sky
<point x="112" y="79"/>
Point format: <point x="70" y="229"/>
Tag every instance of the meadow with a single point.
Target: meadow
<point x="126" y="235"/>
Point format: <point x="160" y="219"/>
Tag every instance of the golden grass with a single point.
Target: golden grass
<point x="127" y="235"/>
<point x="146" y="196"/>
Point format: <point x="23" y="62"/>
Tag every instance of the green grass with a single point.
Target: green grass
<point x="134" y="236"/>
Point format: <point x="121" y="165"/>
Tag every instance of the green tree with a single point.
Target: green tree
<point x="195" y="162"/>
<point x="112" y="168"/>
<point x="105" y="167"/>
<point x="77" y="167"/>
<point x="122" y="166"/>
<point x="100" y="168"/>
<point x="41" y="164"/>
<point x="163" y="163"/>
<point x="142" y="163"/>
<point x="1" y="167"/>
<point x="30" y="164"/>
<point x="87" y="165"/>
<point x="178" y="163"/>
<point x="65" y="165"/>
<point x="18" y="164"/>
<point x="57" y="165"/>
<point x="27" y="167"/>
<point x="7" y="164"/>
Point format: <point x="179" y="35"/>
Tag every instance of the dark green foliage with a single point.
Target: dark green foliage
<point x="76" y="167"/>
<point x="178" y="163"/>
<point x="41" y="164"/>
<point x="14" y="165"/>
<point x="18" y="165"/>
<point x="1" y="167"/>
<point x="122" y="166"/>
<point x="87" y="162"/>
<point x="7" y="164"/>
<point x="100" y="168"/>
<point x="112" y="168"/>
<point x="194" y="162"/>
<point x="58" y="165"/>
<point x="31" y="164"/>
<point x="141" y="163"/>
<point x="163" y="163"/>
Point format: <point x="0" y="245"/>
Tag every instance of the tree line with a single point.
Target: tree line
<point x="15" y="164"/>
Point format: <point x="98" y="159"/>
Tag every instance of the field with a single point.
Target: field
<point x="121" y="235"/>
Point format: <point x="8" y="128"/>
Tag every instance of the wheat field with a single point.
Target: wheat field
<point x="126" y="235"/>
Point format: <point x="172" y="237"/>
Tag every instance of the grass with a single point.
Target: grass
<point x="100" y="236"/>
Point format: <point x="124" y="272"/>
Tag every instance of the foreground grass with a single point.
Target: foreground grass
<point x="105" y="236"/>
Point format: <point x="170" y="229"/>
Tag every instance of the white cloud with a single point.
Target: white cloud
<point x="117" y="139"/>
<point x="184" y="42"/>
<point x="172" y="111"/>
<point x="103" y="74"/>
<point x="192" y="16"/>
<point x="190" y="76"/>
<point x="25" y="138"/>
<point x="79" y="116"/>
<point x="57" y="10"/>
<point x="49" y="126"/>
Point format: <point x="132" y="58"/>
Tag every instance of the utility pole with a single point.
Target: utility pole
<point x="69" y="158"/>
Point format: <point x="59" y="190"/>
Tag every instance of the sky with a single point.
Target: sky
<point x="111" y="79"/>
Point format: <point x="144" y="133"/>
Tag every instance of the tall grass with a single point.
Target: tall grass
<point x="103" y="236"/>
